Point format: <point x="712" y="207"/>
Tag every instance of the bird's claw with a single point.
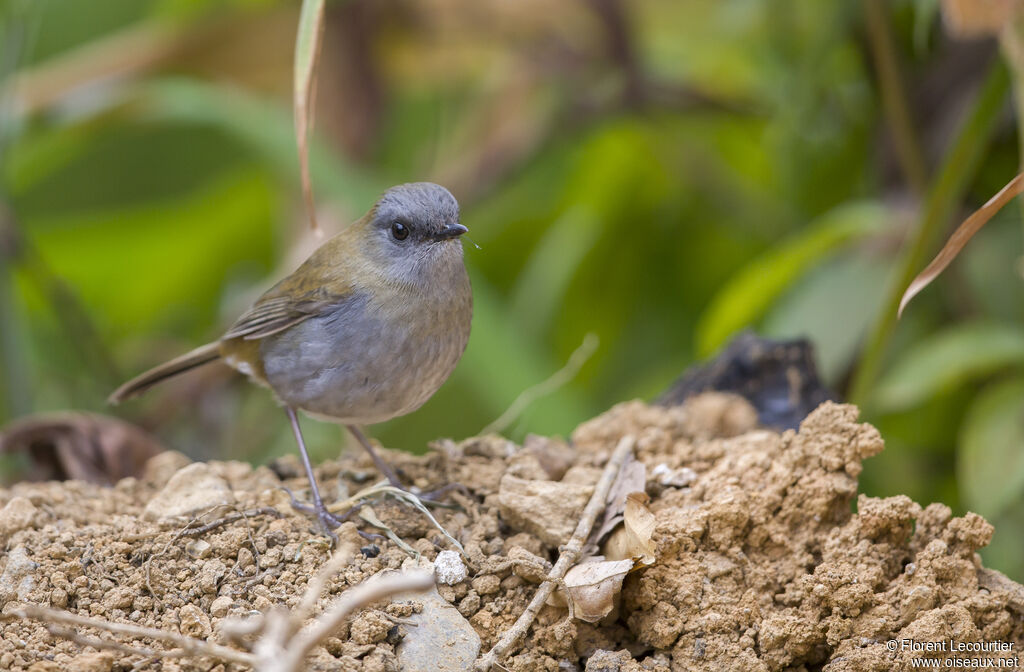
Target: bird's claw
<point x="327" y="520"/>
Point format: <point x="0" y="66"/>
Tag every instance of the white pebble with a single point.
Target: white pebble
<point x="676" y="478"/>
<point x="449" y="568"/>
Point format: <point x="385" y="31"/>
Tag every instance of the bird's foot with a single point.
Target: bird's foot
<point x="328" y="521"/>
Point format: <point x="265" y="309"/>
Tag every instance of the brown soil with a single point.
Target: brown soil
<point x="762" y="563"/>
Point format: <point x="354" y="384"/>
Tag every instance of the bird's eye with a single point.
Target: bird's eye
<point x="399" y="231"/>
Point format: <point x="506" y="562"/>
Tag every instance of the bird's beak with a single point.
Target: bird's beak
<point x="451" y="231"/>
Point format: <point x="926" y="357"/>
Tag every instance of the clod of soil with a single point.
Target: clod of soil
<point x="761" y="561"/>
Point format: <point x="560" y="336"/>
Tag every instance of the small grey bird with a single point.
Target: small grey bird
<point x="365" y="330"/>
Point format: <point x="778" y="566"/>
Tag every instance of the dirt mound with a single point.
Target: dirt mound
<point x="762" y="563"/>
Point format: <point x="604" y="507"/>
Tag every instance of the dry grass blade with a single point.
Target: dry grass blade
<point x="415" y="501"/>
<point x="397" y="493"/>
<point x="559" y="378"/>
<point x="369" y="515"/>
<point x="960" y="237"/>
<point x="307" y="55"/>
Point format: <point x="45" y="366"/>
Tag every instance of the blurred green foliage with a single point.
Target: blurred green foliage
<point x="660" y="173"/>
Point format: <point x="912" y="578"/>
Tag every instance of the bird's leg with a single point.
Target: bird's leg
<point x="389" y="472"/>
<point x="328" y="521"/>
<point x="383" y="467"/>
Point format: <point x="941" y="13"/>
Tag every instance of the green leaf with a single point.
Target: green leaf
<point x="947" y="359"/>
<point x="39" y="154"/>
<point x="262" y="125"/>
<point x="545" y="279"/>
<point x="140" y="267"/>
<point x="750" y="293"/>
<point x="926" y="12"/>
<point x="990" y="462"/>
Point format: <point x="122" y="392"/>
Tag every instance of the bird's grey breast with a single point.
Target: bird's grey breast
<point x="368" y="358"/>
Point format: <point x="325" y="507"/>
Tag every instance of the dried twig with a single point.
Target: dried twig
<point x="570" y="554"/>
<point x="384" y="488"/>
<point x="353" y="599"/>
<point x="187" y="646"/>
<point x="230" y="518"/>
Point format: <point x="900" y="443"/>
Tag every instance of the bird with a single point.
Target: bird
<point x="365" y="330"/>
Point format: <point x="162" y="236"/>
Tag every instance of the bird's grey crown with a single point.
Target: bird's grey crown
<point x="424" y="204"/>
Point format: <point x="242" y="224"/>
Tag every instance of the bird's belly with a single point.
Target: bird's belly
<point x="359" y="369"/>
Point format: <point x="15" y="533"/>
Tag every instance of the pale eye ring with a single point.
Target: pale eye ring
<point x="399" y="230"/>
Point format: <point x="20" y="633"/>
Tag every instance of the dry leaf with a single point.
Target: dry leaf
<point x="632" y="478"/>
<point x="79" y="446"/>
<point x="639" y="523"/>
<point x="307" y="56"/>
<point x="593" y="588"/>
<point x="633" y="540"/>
<point x="960" y="237"/>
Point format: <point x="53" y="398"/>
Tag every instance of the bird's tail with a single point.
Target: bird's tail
<point x="139" y="384"/>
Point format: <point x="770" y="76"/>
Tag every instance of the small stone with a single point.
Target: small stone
<point x="220" y="607"/>
<point x="470" y="604"/>
<point x="441" y="641"/>
<point x="554" y="455"/>
<point x="400" y="609"/>
<point x="59" y="598"/>
<point x="447" y="593"/>
<point x="528" y="566"/>
<point x="17" y="514"/>
<point x="191" y="490"/>
<point x="449" y="568"/>
<point x="198" y="548"/>
<point x="675" y="478"/>
<point x="611" y="661"/>
<point x="18" y="578"/>
<point x="121" y="597"/>
<point x="210" y="575"/>
<point x="488" y="584"/>
<point x="548" y="510"/>
<point x="98" y="661"/>
<point x="162" y="466"/>
<point x="193" y="622"/>
<point x="245" y="558"/>
<point x="271" y="558"/>
<point x="369" y="628"/>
